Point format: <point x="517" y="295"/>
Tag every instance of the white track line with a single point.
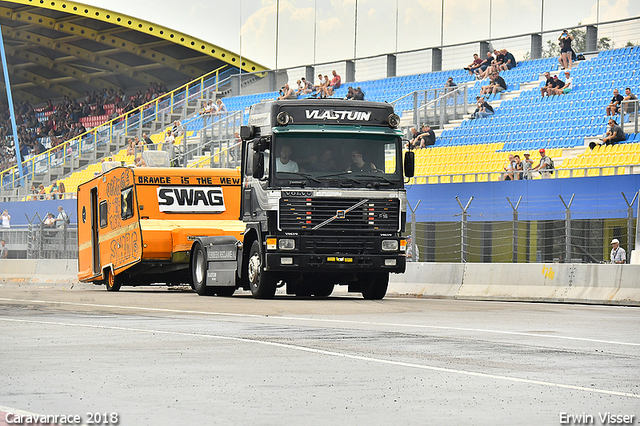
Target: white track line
<point x="326" y="320"/>
<point x="338" y="354"/>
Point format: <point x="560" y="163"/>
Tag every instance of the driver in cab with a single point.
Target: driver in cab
<point x="358" y="164"/>
<point x="284" y="163"/>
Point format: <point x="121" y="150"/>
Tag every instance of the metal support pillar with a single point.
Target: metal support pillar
<point x="12" y="110"/>
<point x="391" y="65"/>
<point x="350" y="72"/>
<point x="567" y="227"/>
<point x="515" y="228"/>
<point x="591" y="38"/>
<point x="436" y="59"/>
<point x="463" y="229"/>
<point x="536" y="46"/>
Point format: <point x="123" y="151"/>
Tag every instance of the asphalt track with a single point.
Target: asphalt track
<point x="153" y="356"/>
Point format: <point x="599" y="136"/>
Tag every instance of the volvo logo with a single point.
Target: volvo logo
<point x="341" y="214"/>
<point x="297" y="193"/>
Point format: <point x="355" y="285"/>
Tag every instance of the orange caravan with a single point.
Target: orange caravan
<point x="136" y="226"/>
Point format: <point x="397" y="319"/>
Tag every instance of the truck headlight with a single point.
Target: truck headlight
<point x="389" y="245"/>
<point x="286" y="244"/>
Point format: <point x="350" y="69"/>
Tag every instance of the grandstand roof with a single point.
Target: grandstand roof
<point x="58" y="48"/>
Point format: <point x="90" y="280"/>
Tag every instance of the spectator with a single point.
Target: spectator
<point x="509" y="167"/>
<point x="351" y="92"/>
<point x="287" y="93"/>
<point x="475" y="64"/>
<point x="220" y="107"/>
<point x="557" y="86"/>
<point x="509" y="61"/>
<point x="325" y="84"/>
<point x="308" y="86"/>
<point x="567" y="87"/>
<point x="319" y="88"/>
<point x="527" y="163"/>
<point x="427" y="137"/>
<point x="618" y="255"/>
<point x="483" y="108"/>
<point x="131" y="149"/>
<point x="628" y="97"/>
<point x="146" y="139"/>
<point x="284" y="163"/>
<point x="334" y="84"/>
<point x="300" y="89"/>
<point x="178" y="129"/>
<point x="614" y="105"/>
<point x="139" y="162"/>
<point x="483" y="70"/>
<point x="545" y="165"/>
<point x="41" y="192"/>
<point x="207" y="108"/>
<point x="169" y="139"/>
<point x="61" y="189"/>
<point x="62" y="220"/>
<point x="496" y="84"/>
<point x="359" y="96"/>
<point x="410" y="256"/>
<point x="49" y="221"/>
<point x="6" y="219"/>
<point x="414" y="143"/>
<point x="4" y="251"/>
<point x="449" y="85"/>
<point x="517" y="168"/>
<point x="566" y="52"/>
<point x="548" y="85"/>
<point x="613" y="135"/>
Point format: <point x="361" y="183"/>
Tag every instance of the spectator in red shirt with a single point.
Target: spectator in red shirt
<point x="333" y="85"/>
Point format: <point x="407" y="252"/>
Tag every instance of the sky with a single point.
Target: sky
<point x="317" y="31"/>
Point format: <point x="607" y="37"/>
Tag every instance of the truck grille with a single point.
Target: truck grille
<point x="303" y="214"/>
<point x="338" y="245"/>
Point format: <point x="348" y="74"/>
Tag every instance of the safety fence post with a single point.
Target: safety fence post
<point x="515" y="228"/>
<point x="463" y="229"/>
<point x="567" y="227"/>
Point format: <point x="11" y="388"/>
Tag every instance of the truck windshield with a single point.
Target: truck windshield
<point x="337" y="159"/>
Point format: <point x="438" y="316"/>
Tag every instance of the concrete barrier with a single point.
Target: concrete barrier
<point x="538" y="282"/>
<point x="553" y="282"/>
<point x="43" y="271"/>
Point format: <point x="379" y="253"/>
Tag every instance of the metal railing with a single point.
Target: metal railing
<point x="441" y="108"/>
<point x="39" y="241"/>
<point x="85" y="146"/>
<point x="495" y="176"/>
<point x="629" y="107"/>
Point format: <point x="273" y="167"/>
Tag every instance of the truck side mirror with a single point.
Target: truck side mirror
<point x="409" y="163"/>
<point x="258" y="165"/>
<point x="246" y="132"/>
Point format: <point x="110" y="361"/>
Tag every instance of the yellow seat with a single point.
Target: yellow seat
<point x="421" y="181"/>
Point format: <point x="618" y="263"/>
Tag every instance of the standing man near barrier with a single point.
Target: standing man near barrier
<point x="4" y="251"/>
<point x="544" y="166"/>
<point x="410" y="255"/>
<point x="618" y="255"/>
<point x="62" y="218"/>
<point x="6" y="219"/>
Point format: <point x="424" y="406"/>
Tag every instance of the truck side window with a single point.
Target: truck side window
<point x="104" y="213"/>
<point x="126" y="203"/>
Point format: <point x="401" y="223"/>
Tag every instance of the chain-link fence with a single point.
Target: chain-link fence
<point x="40" y="241"/>
<point x="521" y="232"/>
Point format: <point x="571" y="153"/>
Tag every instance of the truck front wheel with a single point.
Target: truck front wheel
<point x="199" y="271"/>
<point x="374" y="286"/>
<point x="262" y="283"/>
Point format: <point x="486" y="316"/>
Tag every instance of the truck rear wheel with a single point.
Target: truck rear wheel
<point x="261" y="283"/>
<point x="374" y="286"/>
<point x="111" y="281"/>
<point x="199" y="271"/>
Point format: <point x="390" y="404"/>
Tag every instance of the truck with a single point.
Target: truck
<point x="323" y="198"/>
<point x="319" y="201"/>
